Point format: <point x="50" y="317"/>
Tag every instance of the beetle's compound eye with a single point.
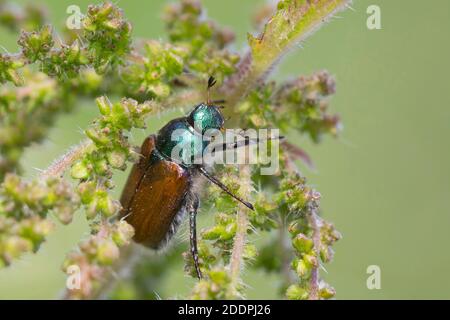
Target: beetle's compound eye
<point x="205" y="117"/>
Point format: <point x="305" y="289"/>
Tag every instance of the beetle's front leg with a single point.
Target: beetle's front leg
<point x="193" y="207"/>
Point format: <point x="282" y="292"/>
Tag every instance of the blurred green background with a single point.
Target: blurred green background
<point x="385" y="182"/>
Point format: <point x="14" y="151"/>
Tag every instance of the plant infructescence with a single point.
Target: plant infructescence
<point x="101" y="59"/>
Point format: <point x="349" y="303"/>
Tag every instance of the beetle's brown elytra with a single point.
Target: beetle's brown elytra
<point x="153" y="196"/>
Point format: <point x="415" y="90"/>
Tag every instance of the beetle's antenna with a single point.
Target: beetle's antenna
<point x="211" y="83"/>
<point x="224" y="188"/>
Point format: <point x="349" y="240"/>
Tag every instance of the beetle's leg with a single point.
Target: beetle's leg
<point x="211" y="83"/>
<point x="219" y="101"/>
<point x="193" y="233"/>
<point x="244" y="143"/>
<point x="224" y="187"/>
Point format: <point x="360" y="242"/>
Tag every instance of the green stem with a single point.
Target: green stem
<point x="285" y="252"/>
<point x="57" y="168"/>
<point x="313" y="220"/>
<point x="237" y="253"/>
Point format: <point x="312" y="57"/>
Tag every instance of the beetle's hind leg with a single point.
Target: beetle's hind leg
<point x="193" y="207"/>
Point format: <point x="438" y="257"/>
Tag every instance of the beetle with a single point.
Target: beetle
<point x="159" y="190"/>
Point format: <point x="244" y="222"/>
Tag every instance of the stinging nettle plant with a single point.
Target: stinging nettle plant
<point x="50" y="72"/>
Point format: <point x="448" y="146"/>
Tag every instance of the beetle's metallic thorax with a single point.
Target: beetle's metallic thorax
<point x="179" y="142"/>
<point x="183" y="140"/>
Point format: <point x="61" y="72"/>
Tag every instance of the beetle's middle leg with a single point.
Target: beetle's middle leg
<point x="193" y="207"/>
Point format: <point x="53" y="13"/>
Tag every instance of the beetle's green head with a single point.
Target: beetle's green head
<point x="206" y="117"/>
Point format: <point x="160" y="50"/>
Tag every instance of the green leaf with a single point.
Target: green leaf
<point x="293" y="22"/>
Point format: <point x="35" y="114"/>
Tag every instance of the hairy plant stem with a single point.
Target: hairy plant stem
<point x="313" y="220"/>
<point x="60" y="165"/>
<point x="237" y="253"/>
<point x="238" y="247"/>
<point x="285" y="252"/>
